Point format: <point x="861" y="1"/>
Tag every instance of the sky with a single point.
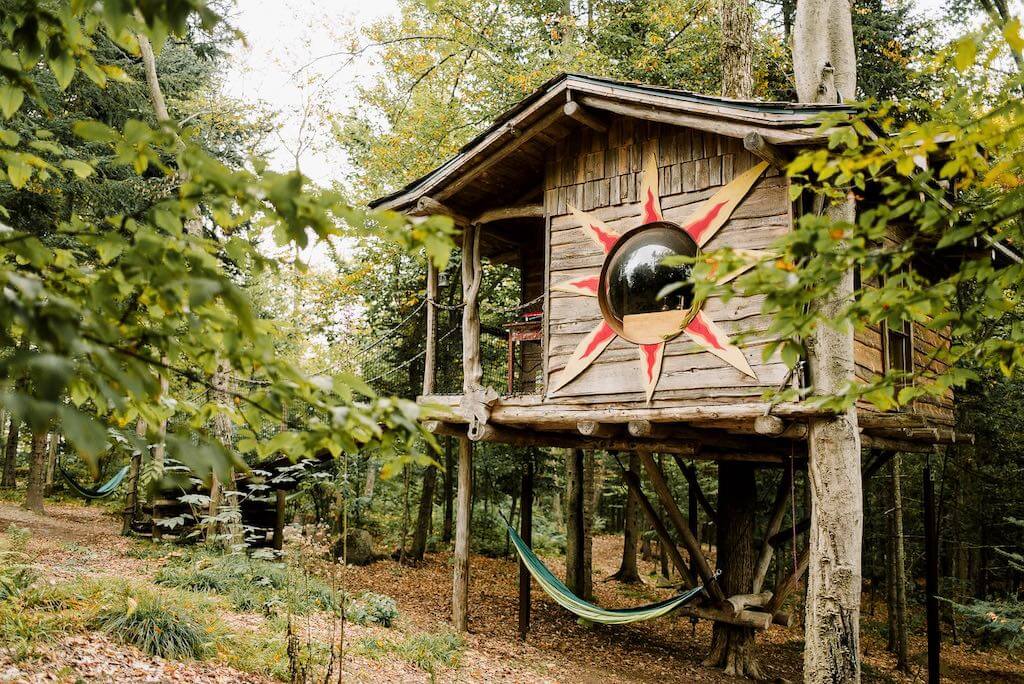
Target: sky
<point x="286" y="67"/>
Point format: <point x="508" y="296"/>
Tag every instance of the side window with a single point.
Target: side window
<point x="899" y="348"/>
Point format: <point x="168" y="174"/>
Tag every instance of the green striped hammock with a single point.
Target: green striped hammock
<point x="554" y="588"/>
<point x="101" y="492"/>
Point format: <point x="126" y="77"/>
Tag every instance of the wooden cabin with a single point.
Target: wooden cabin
<point x="550" y="186"/>
<point x="585" y="187"/>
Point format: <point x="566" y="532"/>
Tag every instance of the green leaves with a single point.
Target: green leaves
<point x="11" y="98"/>
<point x="86" y="435"/>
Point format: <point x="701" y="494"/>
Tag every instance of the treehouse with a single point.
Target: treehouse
<point x="584" y="188"/>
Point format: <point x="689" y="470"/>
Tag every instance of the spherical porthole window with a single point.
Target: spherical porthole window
<point x="633" y="276"/>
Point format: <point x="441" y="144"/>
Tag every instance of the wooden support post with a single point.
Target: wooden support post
<point x="778" y="513"/>
<point x="526" y="532"/>
<point x="633" y="482"/>
<point x="931" y="552"/>
<point x="698" y="563"/>
<point x="430" y="351"/>
<point x="281" y="507"/>
<point x="460" y="573"/>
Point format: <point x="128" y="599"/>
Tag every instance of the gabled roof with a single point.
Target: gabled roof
<point x="782" y="123"/>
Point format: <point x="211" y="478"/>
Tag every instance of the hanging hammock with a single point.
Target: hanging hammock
<point x="101" y="492"/>
<point x="588" y="611"/>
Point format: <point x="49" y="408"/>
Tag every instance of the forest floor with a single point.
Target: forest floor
<point x="73" y="542"/>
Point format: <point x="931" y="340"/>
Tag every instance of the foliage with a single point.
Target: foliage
<point x="995" y="622"/>
<point x="155" y="625"/>
<point x="372" y="609"/>
<point x="103" y="304"/>
<point x="266" y="653"/>
<point x="251" y="585"/>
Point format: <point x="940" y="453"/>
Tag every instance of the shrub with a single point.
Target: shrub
<point x="372" y="609"/>
<point x="150" y="622"/>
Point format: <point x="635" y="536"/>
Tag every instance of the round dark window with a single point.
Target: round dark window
<point x="634" y="275"/>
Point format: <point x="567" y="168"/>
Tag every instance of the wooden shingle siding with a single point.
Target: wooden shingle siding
<point x="600" y="173"/>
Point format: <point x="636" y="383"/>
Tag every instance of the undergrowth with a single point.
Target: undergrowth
<point x="249" y="584"/>
<point x="428" y="651"/>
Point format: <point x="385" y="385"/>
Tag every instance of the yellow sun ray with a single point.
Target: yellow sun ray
<point x="589" y="348"/>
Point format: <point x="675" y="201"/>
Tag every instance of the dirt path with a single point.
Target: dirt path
<point x="75" y="540"/>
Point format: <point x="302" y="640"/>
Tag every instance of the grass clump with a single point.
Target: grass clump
<point x="372" y="609"/>
<point x="428" y="651"/>
<point x="251" y="585"/>
<point x="155" y="625"/>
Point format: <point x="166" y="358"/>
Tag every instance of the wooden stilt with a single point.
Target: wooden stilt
<point x="931" y="552"/>
<point x="460" y="574"/>
<point x="576" y="570"/>
<point x="526" y="532"/>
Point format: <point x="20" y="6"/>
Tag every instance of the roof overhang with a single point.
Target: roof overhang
<point x="778" y="123"/>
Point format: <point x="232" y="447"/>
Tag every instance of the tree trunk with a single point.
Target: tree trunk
<point x="737" y="47"/>
<point x="825" y="67"/>
<point x="36" y="474"/>
<point x="892" y="642"/>
<point x="899" y="565"/>
<point x="131" y="503"/>
<point x="733" y="647"/>
<point x="424" y="515"/>
<point x="9" y="480"/>
<point x="577" y="547"/>
<point x="51" y="461"/>
<point x="449" y="477"/>
<point x="628" y="571"/>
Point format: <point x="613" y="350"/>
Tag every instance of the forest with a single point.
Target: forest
<point x="219" y="455"/>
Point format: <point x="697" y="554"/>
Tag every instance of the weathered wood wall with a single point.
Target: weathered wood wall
<point x="600" y="173"/>
<point x="928" y="345"/>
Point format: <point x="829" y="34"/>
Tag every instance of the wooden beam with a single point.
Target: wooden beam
<point x="889" y="444"/>
<point x="514" y="437"/>
<point x="633" y="483"/>
<point x="758" y="599"/>
<point x="507" y="149"/>
<point x="708" y="438"/>
<point x="778" y="513"/>
<point x="460" y="561"/>
<point x="430" y="351"/>
<point x="591" y="428"/>
<point x="516" y="212"/>
<point x="668" y="502"/>
<point x="746" y="618"/>
<point x="428" y="206"/>
<point x="703" y="122"/>
<point x="588" y="119"/>
<point x="513" y="411"/>
<point x="762" y="149"/>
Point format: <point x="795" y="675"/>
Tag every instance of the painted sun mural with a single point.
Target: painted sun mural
<point x="631" y="289"/>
